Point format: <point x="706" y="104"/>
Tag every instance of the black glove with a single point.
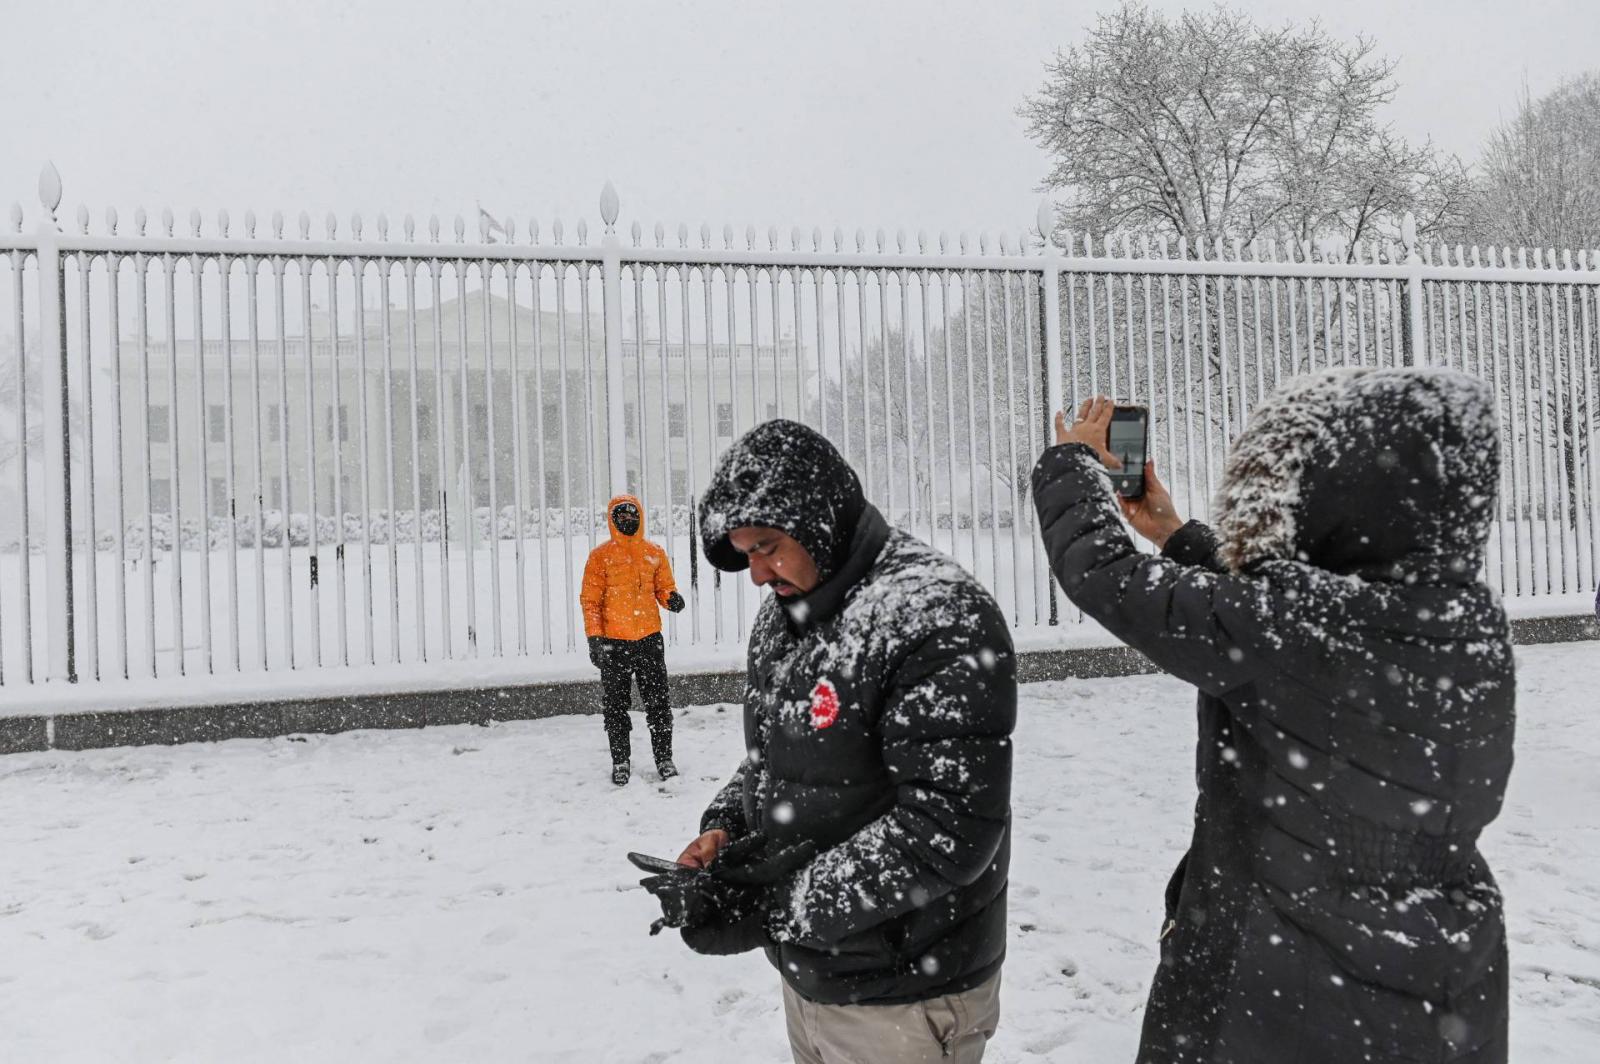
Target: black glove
<point x="598" y="649"/>
<point x="744" y="930"/>
<point x="690" y="897"/>
<point x="675" y="602"/>
<point x="755" y="861"/>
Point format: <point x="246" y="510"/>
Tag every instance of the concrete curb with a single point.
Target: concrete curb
<point x="261" y="720"/>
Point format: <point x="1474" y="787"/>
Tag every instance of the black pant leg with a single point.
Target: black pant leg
<point x="616" y="681"/>
<point x="652" y="666"/>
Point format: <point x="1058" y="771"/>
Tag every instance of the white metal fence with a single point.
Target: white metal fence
<point x="252" y="452"/>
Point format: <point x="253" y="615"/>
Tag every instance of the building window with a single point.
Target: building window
<point x="680" y="484"/>
<point x="219" y="497"/>
<point x="480" y="414"/>
<point x="276" y="499"/>
<point x="161" y="495"/>
<point x="677" y="420"/>
<point x="274" y="427"/>
<point x="724" y="419"/>
<point x="552" y="422"/>
<point x="429" y="495"/>
<point x="552" y="487"/>
<point x="630" y="427"/>
<point x="160" y="424"/>
<point x="218" y="423"/>
<point x="772" y="411"/>
<point x="344" y="423"/>
<point x="425" y="421"/>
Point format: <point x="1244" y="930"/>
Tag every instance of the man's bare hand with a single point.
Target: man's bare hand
<point x="1092" y="427"/>
<point x="704" y="849"/>
<point x="1152" y="515"/>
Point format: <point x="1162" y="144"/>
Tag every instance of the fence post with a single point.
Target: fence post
<point x="1050" y="303"/>
<point x="60" y="661"/>
<point x="611" y="285"/>
<point x="1415" y="345"/>
<point x="1050" y="307"/>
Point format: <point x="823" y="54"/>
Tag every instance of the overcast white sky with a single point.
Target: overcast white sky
<point x="885" y="113"/>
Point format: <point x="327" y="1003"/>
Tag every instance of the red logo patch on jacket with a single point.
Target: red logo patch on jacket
<point x="824" y="705"/>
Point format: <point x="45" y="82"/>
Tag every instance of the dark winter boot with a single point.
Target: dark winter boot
<point x="666" y="769"/>
<point x="621" y="772"/>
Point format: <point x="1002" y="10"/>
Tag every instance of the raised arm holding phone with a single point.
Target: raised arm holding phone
<point x="1356" y="712"/>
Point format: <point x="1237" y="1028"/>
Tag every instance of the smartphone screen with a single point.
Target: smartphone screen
<point x="1128" y="440"/>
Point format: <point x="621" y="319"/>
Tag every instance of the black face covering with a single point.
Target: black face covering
<point x="626" y="517"/>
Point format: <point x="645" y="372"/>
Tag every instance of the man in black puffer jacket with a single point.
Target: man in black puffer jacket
<point x="865" y="840"/>
<point x="1356" y="719"/>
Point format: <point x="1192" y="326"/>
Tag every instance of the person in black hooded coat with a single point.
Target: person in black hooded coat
<point x="1356" y="719"/>
<point x="864" y="841"/>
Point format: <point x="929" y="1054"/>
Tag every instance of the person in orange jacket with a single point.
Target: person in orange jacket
<point x="626" y="583"/>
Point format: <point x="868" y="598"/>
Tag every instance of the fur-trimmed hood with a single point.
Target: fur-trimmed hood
<point x="1377" y="471"/>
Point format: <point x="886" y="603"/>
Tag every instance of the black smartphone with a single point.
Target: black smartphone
<point x="654" y="865"/>
<point x="1129" y="440"/>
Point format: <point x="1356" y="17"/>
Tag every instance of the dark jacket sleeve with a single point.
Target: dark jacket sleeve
<point x="726" y="811"/>
<point x="1213" y="629"/>
<point x="1194" y="544"/>
<point x="946" y="740"/>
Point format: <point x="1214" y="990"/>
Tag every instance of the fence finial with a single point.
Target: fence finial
<point x="166" y="220"/>
<point x="661" y="235"/>
<point x="1046" y="219"/>
<point x="610" y="206"/>
<point x="637" y="233"/>
<point x="1408" y="233"/>
<point x="222" y="221"/>
<point x="83" y="219"/>
<point x="50" y="190"/>
<point x="111" y="221"/>
<point x="250" y="224"/>
<point x="140" y="219"/>
<point x="194" y="221"/>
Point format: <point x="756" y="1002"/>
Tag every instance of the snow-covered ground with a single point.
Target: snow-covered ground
<point x="460" y="894"/>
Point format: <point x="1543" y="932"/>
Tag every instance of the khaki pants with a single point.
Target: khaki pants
<point x="952" y="1028"/>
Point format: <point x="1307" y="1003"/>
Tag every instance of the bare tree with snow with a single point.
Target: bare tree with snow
<point x="1210" y="125"/>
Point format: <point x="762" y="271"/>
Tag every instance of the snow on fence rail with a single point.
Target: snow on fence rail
<point x="253" y="452"/>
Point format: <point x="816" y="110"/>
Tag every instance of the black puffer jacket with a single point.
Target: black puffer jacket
<point x="878" y="715"/>
<point x="1356" y="718"/>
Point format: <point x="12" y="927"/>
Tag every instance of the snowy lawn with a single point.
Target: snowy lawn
<point x="460" y="894"/>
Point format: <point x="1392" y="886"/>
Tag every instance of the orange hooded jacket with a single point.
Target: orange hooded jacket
<point x="626" y="582"/>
